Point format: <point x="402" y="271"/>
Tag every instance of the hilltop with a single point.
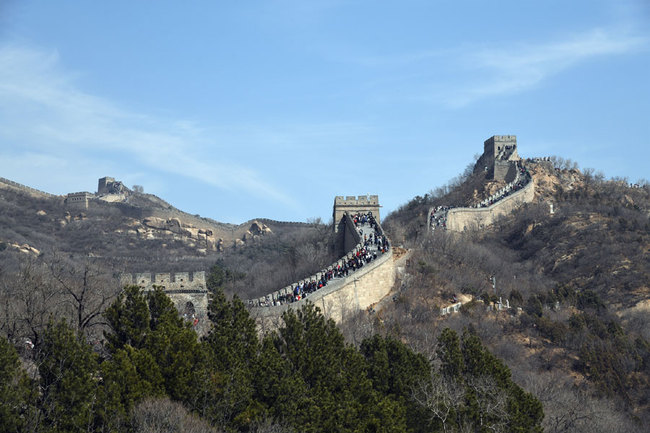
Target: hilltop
<point x="558" y="288"/>
<point x="572" y="280"/>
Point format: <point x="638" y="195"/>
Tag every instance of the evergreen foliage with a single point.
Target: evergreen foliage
<point x="304" y="376"/>
<point x="69" y="386"/>
<point x="17" y="392"/>
<point x="489" y="401"/>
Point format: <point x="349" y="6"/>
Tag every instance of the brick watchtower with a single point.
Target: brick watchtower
<point x="499" y="157"/>
<point x="353" y="205"/>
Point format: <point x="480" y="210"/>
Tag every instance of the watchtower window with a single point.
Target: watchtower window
<point x="189" y="309"/>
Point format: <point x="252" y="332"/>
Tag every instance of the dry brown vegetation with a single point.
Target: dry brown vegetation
<point x="569" y="277"/>
<point x="103" y="236"/>
<point x="578" y="282"/>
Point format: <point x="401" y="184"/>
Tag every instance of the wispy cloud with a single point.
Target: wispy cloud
<point x="507" y="70"/>
<point x="43" y="112"/>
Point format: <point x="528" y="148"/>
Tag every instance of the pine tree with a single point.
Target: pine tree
<point x="225" y="393"/>
<point x="149" y="326"/>
<point x="450" y="354"/>
<point x="174" y="346"/>
<point x="339" y="391"/>
<point x="395" y="370"/>
<point x="128" y="377"/>
<point x="68" y="379"/>
<point x="281" y="391"/>
<point x="17" y="392"/>
<point x="129" y="319"/>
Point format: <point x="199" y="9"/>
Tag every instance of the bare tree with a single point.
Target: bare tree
<point x="492" y="403"/>
<point x="87" y="288"/>
<point x="440" y="397"/>
<point x="49" y="287"/>
<point x="27" y="301"/>
<point x="165" y="416"/>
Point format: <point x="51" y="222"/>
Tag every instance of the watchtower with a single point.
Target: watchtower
<point x="78" y="200"/>
<point x="104" y="184"/>
<point x="498" y="146"/>
<point x="499" y="157"/>
<point x="353" y="205"/>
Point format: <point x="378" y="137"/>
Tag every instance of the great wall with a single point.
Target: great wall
<point x="188" y="291"/>
<point x="341" y="296"/>
<point x="25" y="188"/>
<point x="365" y="286"/>
<point x="500" y="161"/>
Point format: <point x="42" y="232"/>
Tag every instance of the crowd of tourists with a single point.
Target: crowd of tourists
<point x="521" y="180"/>
<point x="438" y="217"/>
<point x="373" y="244"/>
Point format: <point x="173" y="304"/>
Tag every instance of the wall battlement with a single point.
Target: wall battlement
<point x="500" y="152"/>
<point x="351" y="204"/>
<point x="283" y="223"/>
<point x="361" y="200"/>
<point x="187" y="291"/>
<point x="179" y="281"/>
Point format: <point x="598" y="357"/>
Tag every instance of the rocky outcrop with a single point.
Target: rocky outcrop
<point x="259" y="229"/>
<point x="256" y="230"/>
<point x="23" y="248"/>
<point x="173" y="228"/>
<point x="203" y="239"/>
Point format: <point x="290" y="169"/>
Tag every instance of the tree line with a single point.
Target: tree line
<point x="151" y="366"/>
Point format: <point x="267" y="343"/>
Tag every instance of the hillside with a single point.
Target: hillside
<point x="130" y="231"/>
<point x="577" y="282"/>
<point x="560" y="299"/>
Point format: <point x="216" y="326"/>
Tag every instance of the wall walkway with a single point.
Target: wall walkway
<point x="341" y="296"/>
<point x="461" y="219"/>
<point x="26" y="188"/>
<point x="486" y="212"/>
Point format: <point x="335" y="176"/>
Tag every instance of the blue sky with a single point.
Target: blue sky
<point x="237" y="110"/>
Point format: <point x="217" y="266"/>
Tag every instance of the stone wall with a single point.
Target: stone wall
<point x="343" y="297"/>
<point x="103" y="184"/>
<point x="498" y="150"/>
<point x="504" y="171"/>
<point x="461" y="219"/>
<point x="340" y="297"/>
<point x="188" y="292"/>
<point x="180" y="281"/>
<point x="348" y="236"/>
<point x="78" y="200"/>
<point x="282" y="223"/>
<point x="25" y="188"/>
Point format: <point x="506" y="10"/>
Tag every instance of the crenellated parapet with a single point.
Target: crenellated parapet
<point x="353" y="205"/>
<point x="472" y="218"/>
<point x="187" y="290"/>
<point x="78" y="200"/>
<point x="177" y="282"/>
